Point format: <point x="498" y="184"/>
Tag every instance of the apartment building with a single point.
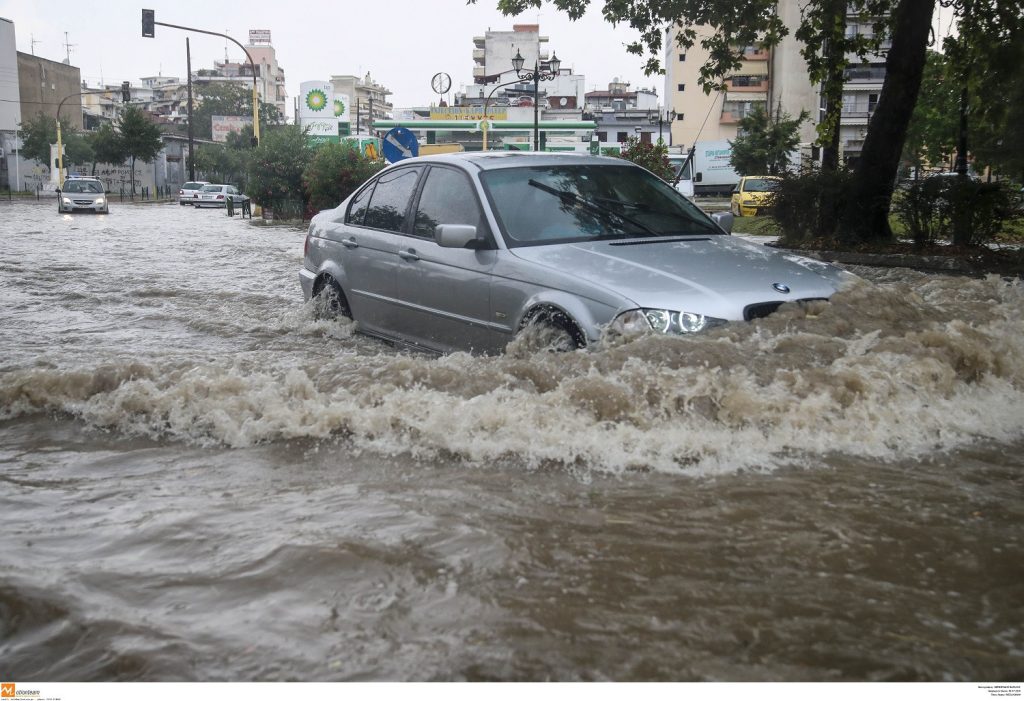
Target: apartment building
<point x="270" y="78"/>
<point x="770" y="78"/>
<point x="493" y="52"/>
<point x="367" y="99"/>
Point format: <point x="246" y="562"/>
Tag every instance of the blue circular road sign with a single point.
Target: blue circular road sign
<point x="398" y="144"/>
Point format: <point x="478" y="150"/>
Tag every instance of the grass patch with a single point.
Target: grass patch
<point x="756" y="226"/>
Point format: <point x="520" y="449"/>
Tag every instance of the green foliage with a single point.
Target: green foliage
<point x="803" y="202"/>
<point x="107" y="145"/>
<point x="39" y="132"/>
<point x="764" y="145"/>
<point x="227" y="99"/>
<point x="334" y="173"/>
<point x="139" y="136"/>
<point x="932" y="134"/>
<point x="277" y="166"/>
<point x="653" y="157"/>
<point x="936" y="208"/>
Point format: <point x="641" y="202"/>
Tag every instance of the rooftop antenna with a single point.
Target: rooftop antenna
<point x="32" y="41"/>
<point x="226" y="48"/>
<point x="67" y="48"/>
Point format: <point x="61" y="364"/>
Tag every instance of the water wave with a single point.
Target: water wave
<point x="901" y="368"/>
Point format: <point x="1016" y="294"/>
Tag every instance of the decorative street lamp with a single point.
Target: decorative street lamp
<point x="536" y="75"/>
<point x="660" y="120"/>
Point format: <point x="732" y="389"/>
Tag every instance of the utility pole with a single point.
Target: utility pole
<point x="32" y="42"/>
<point x="191" y="132"/>
<point x="67" y="48"/>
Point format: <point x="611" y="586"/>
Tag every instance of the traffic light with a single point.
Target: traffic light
<point x="126" y="92"/>
<point x="148" y="23"/>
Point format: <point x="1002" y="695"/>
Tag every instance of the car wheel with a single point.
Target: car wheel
<point x="329" y="301"/>
<point x="550" y="330"/>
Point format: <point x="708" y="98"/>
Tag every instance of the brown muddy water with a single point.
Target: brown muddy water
<point x="199" y="481"/>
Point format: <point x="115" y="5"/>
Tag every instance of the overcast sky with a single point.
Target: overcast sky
<point x="402" y="43"/>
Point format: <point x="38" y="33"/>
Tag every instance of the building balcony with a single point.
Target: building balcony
<point x="746" y="86"/>
<point x="864" y="75"/>
<point x="751" y="53"/>
<point x="479" y="72"/>
<point x="479" y="54"/>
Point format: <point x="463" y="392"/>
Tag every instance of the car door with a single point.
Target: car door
<point x="367" y="246"/>
<point x="444" y="294"/>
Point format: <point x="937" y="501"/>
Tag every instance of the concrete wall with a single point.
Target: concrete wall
<point x="44" y="83"/>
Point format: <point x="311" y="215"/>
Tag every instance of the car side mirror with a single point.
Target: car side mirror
<point x="456" y="236"/>
<point x="699" y="178"/>
<point x="724" y="220"/>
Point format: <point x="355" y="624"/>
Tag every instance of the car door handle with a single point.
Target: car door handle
<point x="408" y="255"/>
<point x="349" y="243"/>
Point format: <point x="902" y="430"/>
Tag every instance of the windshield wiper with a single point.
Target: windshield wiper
<point x="572" y="198"/>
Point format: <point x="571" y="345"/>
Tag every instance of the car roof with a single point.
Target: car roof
<point x="494" y="160"/>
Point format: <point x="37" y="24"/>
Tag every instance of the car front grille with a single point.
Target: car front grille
<point x="763" y="309"/>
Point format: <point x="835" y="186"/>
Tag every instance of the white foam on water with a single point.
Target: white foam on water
<point x="903" y="368"/>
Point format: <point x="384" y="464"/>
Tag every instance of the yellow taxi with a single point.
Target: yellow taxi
<point x="753" y="195"/>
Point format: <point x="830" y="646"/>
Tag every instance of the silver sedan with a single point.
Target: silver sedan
<point x="466" y="251"/>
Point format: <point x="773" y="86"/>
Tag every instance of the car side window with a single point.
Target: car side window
<point x="357" y="210"/>
<point x="390" y="199"/>
<point x="447" y="198"/>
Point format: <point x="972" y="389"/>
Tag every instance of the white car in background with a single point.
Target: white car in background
<point x="189" y="192"/>
<point x="215" y="195"/>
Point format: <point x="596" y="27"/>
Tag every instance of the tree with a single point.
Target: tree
<point x="141" y="138"/>
<point x="334" y="173"/>
<point x="866" y="216"/>
<point x="107" y="146"/>
<point x="653" y="157"/>
<point x="931" y="136"/>
<point x="227" y="99"/>
<point x="40" y="132"/>
<point x="764" y="145"/>
<point x="276" y="168"/>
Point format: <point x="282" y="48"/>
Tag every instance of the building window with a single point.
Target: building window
<point x="682" y="57"/>
<point x="645" y="137"/>
<point x="681" y="87"/>
<point x="622" y="137"/>
<point x="747" y="81"/>
<point x="602" y="136"/>
<point x="679" y="116"/>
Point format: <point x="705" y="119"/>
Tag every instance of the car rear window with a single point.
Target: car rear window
<point x="211" y="188"/>
<point x="191" y="186"/>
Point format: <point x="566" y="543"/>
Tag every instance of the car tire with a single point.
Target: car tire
<point x="329" y="300"/>
<point x="550" y="330"/>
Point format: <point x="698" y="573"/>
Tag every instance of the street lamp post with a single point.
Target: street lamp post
<point x="660" y="120"/>
<point x="536" y="75"/>
<point x="60" y="143"/>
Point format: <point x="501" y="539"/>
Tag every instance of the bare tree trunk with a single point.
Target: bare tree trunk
<point x="832" y="94"/>
<point x="866" y="217"/>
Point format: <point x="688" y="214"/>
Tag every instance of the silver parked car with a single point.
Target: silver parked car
<point x="189" y="191"/>
<point x="81" y="194"/>
<point x="464" y="251"/>
<point x="218" y="195"/>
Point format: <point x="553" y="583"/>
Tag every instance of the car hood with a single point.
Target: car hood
<point x="714" y="275"/>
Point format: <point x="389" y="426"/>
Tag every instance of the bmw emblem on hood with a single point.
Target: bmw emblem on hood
<point x="784" y="289"/>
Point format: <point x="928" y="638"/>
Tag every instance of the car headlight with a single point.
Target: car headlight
<point x="67" y="200"/>
<point x="663" y="321"/>
<point x="98" y="200"/>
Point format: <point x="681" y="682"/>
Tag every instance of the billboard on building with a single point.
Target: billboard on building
<point x="342" y="109"/>
<point x="317" y="110"/>
<point x="259" y="36"/>
<point x="224" y="125"/>
<point x="471" y="114"/>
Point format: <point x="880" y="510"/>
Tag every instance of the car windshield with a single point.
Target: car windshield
<point x="89" y="186"/>
<point x="211" y="188"/>
<point x="760" y="185"/>
<point x="542" y="205"/>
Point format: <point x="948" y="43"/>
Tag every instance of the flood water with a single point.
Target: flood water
<point x="200" y="481"/>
